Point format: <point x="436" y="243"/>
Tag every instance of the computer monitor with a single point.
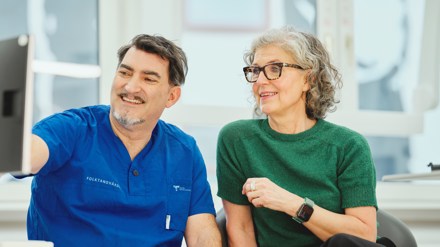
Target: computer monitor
<point x="16" y="91"/>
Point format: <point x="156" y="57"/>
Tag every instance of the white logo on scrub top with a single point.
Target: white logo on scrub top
<point x="103" y="181"/>
<point x="180" y="188"/>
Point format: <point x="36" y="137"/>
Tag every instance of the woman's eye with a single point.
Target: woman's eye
<point x="274" y="69"/>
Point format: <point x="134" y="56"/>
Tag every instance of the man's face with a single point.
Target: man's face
<point x="141" y="89"/>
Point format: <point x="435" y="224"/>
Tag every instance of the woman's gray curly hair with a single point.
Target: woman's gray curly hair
<point x="309" y="53"/>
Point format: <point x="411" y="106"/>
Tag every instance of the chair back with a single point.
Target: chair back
<point x="388" y="226"/>
<point x="221" y="222"/>
<point x="397" y="231"/>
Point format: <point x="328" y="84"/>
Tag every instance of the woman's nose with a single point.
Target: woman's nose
<point x="261" y="79"/>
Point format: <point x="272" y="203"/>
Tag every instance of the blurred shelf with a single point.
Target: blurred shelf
<point x="434" y="175"/>
<point x="14" y="201"/>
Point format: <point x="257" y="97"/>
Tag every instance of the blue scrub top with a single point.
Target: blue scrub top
<point x="90" y="193"/>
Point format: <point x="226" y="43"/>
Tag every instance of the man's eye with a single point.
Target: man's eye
<point x="123" y="73"/>
<point x="150" y="80"/>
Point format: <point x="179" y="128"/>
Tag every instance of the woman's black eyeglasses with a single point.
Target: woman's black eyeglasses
<point x="272" y="71"/>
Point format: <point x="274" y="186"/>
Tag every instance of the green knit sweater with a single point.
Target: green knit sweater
<point x="329" y="164"/>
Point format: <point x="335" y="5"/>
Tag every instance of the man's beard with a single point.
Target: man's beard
<point x="127" y="122"/>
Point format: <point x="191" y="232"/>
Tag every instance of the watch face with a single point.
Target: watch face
<point x="305" y="212"/>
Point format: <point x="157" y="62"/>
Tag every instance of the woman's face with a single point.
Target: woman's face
<point x="282" y="96"/>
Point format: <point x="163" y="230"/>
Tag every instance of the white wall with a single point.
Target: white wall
<point x="417" y="204"/>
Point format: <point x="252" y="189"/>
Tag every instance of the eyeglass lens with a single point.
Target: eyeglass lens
<point x="271" y="71"/>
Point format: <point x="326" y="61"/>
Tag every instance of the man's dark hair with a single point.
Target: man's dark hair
<point x="178" y="64"/>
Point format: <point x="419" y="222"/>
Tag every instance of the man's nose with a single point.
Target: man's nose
<point x="133" y="85"/>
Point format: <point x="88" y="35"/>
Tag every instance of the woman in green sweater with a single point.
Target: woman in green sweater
<point x="294" y="179"/>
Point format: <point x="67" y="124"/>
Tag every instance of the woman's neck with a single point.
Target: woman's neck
<point x="291" y="124"/>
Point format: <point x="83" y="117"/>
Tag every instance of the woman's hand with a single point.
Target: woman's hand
<point x="262" y="192"/>
<point x="358" y="221"/>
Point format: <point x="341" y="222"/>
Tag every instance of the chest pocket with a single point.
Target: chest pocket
<point x="178" y="202"/>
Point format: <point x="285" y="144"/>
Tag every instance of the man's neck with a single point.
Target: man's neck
<point x="135" y="137"/>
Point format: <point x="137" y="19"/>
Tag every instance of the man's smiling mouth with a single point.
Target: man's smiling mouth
<point x="134" y="100"/>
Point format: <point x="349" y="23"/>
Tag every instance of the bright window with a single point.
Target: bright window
<point x="64" y="31"/>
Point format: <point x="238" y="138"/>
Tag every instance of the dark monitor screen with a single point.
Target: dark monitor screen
<point x="16" y="91"/>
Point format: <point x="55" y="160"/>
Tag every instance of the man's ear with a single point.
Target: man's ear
<point x="174" y="96"/>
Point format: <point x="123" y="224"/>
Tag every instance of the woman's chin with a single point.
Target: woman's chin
<point x="265" y="110"/>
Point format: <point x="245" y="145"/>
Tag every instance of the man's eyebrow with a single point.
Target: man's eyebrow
<point x="126" y="67"/>
<point x="145" y="72"/>
<point x="153" y="73"/>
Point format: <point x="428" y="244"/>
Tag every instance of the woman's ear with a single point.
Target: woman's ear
<point x="307" y="77"/>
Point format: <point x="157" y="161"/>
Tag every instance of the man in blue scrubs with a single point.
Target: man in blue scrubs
<point x="118" y="175"/>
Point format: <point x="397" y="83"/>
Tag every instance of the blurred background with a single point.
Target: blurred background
<point x="387" y="51"/>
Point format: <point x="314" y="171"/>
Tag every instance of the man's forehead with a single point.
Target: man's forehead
<point x="138" y="59"/>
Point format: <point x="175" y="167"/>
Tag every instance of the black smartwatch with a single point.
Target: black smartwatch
<point x="305" y="211"/>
